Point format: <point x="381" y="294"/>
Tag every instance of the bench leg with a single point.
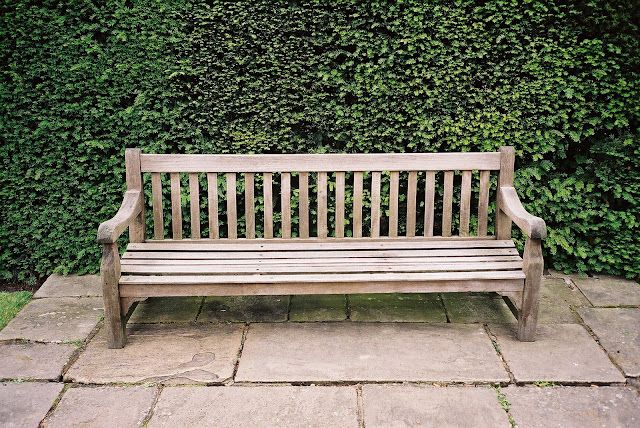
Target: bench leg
<point x="533" y="267"/>
<point x="113" y="320"/>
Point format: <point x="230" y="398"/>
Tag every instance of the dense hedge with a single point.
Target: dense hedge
<point x="82" y="80"/>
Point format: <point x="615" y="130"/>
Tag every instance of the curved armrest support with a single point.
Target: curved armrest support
<point x="533" y="226"/>
<point x="110" y="230"/>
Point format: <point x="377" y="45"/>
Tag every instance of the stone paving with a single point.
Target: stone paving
<point x="392" y="360"/>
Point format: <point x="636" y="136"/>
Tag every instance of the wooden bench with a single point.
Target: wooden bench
<point x="311" y="257"/>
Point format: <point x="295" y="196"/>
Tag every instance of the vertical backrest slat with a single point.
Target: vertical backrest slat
<point x="465" y="203"/>
<point x="429" y="197"/>
<point x="446" y="203"/>
<point x="340" y="204"/>
<point x="285" y="199"/>
<point x="194" y="205"/>
<point x="505" y="179"/>
<point x="376" y="177"/>
<point x="232" y="216"/>
<point x="268" y="206"/>
<point x="134" y="182"/>
<point x="212" y="195"/>
<point x="357" y="204"/>
<point x="176" y="206"/>
<point x="303" y="210"/>
<point x="412" y="192"/>
<point x="322" y="205"/>
<point x="394" y="185"/>
<point x="483" y="203"/>
<point x="249" y="208"/>
<point x="158" y="218"/>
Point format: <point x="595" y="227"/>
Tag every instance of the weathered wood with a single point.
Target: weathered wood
<point x="447" y="202"/>
<point x="212" y="193"/>
<point x="533" y="266"/>
<point x="110" y="230"/>
<point x="303" y="214"/>
<point x="158" y="216"/>
<point x="194" y="204"/>
<point x="429" y="198"/>
<point x="322" y="205"/>
<point x="340" y="185"/>
<point x="394" y="184"/>
<point x="232" y="215"/>
<point x="268" y="205"/>
<point x="176" y="207"/>
<point x="375" y="203"/>
<point x="249" y="207"/>
<point x="505" y="179"/>
<point x="357" y="204"/>
<point x="510" y="204"/>
<point x="134" y="182"/>
<point x="285" y="198"/>
<point x="110" y="275"/>
<point x="465" y="203"/>
<point x="483" y="203"/>
<point x="412" y="192"/>
<point x="320" y="162"/>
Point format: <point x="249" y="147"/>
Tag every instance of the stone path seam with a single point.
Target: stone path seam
<point x="360" y="406"/>
<point x="496" y="346"/>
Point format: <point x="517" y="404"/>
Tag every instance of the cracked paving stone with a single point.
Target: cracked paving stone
<point x="42" y="361"/>
<point x="26" y="404"/>
<point x="162" y="353"/>
<point x="555" y="300"/>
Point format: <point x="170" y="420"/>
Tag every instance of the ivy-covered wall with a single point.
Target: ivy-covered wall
<point x="82" y="80"/>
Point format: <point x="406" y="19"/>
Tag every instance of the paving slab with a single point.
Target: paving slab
<point x="618" y="330"/>
<point x="245" y="309"/>
<point x="26" y="404"/>
<point x="318" y="307"/>
<point x="103" y="407"/>
<point x="60" y="319"/>
<point x="162" y="353"/>
<point x="257" y="406"/>
<point x="556" y="298"/>
<point x="42" y="361"/>
<point x="70" y="286"/>
<point x="609" y="290"/>
<point x="561" y="353"/>
<point x="396" y="308"/>
<point x="347" y="351"/>
<point x="584" y="407"/>
<point x="167" y="310"/>
<point x="477" y="308"/>
<point x="431" y="406"/>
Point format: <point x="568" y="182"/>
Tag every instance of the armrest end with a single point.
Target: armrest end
<point x="110" y="230"/>
<point x="533" y="226"/>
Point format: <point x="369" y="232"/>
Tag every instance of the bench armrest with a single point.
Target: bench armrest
<point x="110" y="230"/>
<point x="533" y="226"/>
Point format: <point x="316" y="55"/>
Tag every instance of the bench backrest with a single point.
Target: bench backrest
<point x="401" y="194"/>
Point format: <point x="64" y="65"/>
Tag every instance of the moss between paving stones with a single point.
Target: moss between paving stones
<point x="321" y="307"/>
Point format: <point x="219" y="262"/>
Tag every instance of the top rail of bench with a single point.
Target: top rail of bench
<point x="320" y="162"/>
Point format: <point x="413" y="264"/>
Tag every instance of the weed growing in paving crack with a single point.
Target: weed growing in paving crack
<point x="504" y="403"/>
<point x="543" y="383"/>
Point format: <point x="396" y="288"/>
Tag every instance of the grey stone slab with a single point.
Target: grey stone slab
<point x="431" y="406"/>
<point x="396" y="308"/>
<point x="257" y="406"/>
<point x="167" y="310"/>
<point x="618" y="330"/>
<point x="43" y="361"/>
<point x="561" y="353"/>
<point x="368" y="352"/>
<point x="318" y="307"/>
<point x="162" y="353"/>
<point x="60" y="319"/>
<point x="70" y="286"/>
<point x="477" y="308"/>
<point x="26" y="404"/>
<point x="583" y="407"/>
<point x="103" y="407"/>
<point x="609" y="290"/>
<point x="556" y="298"/>
<point x="245" y="309"/>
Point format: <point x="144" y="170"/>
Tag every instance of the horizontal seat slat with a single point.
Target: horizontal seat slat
<point x="233" y="255"/>
<point x="315" y="244"/>
<point x="319" y="162"/>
